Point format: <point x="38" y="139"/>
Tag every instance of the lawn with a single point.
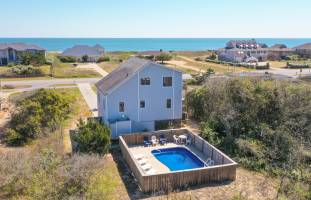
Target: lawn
<point x="282" y="64"/>
<point x="203" y="66"/>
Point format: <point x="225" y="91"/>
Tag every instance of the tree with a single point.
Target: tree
<point x="35" y="59"/>
<point x="163" y="57"/>
<point x="85" y="58"/>
<point x="92" y="137"/>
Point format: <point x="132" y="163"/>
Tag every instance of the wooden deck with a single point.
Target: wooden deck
<point x="223" y="170"/>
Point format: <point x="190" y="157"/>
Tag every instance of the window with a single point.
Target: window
<point x="121" y="107"/>
<point x="168" y="103"/>
<point x="145" y="81"/>
<point x="142" y="104"/>
<point x="167" y="81"/>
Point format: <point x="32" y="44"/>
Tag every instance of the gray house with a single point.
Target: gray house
<point x="140" y="95"/>
<point x="78" y="51"/>
<point x="9" y="52"/>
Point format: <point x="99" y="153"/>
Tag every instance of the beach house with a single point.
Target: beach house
<point x="140" y="95"/>
<point x="81" y="52"/>
<point x="304" y="50"/>
<point x="10" y="52"/>
<point x="243" y="51"/>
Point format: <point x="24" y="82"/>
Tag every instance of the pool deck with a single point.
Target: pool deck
<point x="157" y="165"/>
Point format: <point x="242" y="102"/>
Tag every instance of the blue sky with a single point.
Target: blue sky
<point x="155" y="18"/>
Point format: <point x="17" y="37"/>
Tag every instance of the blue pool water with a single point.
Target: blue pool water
<point x="177" y="158"/>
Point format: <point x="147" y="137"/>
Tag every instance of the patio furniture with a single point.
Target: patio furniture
<point x="146" y="167"/>
<point x="182" y="139"/>
<point x="139" y="156"/>
<point x="210" y="162"/>
<point x="146" y="142"/>
<point x="154" y="140"/>
<point x="142" y="161"/>
<point x="163" y="140"/>
<point x="188" y="140"/>
<point x="151" y="171"/>
<point x="176" y="140"/>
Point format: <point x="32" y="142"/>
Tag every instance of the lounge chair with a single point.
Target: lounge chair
<point x="176" y="139"/>
<point x="142" y="161"/>
<point x="154" y="140"/>
<point x="163" y="140"/>
<point x="146" y="167"/>
<point x="139" y="156"/>
<point x="151" y="171"/>
<point x="188" y="140"/>
<point x="146" y="142"/>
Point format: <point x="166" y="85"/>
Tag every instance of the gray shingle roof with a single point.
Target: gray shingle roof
<point x="125" y="70"/>
<point x="81" y="50"/>
<point x="20" y="46"/>
<point x="304" y="46"/>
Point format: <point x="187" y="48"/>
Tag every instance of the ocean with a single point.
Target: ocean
<point x="145" y="44"/>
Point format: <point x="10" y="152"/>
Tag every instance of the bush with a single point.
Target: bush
<point x="164" y="57"/>
<point x="67" y="59"/>
<point x="41" y="112"/>
<point x="103" y="59"/>
<point x="92" y="136"/>
<point x="265" y="124"/>
<point x="25" y="70"/>
<point x="35" y="59"/>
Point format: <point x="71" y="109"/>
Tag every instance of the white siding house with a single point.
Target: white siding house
<point x="138" y="96"/>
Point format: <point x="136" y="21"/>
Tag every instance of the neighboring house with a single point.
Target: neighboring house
<point x="9" y="52"/>
<point x="243" y="51"/>
<point x="279" y="51"/>
<point x="78" y="51"/>
<point x="140" y="95"/>
<point x="304" y="50"/>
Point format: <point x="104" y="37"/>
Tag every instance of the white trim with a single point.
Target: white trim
<point x="173" y="102"/>
<point x="106" y="108"/>
<point x="138" y="96"/>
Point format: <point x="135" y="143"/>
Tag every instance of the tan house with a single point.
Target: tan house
<point x="279" y="51"/>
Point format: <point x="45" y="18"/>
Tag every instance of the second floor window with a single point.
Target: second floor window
<point x="168" y="103"/>
<point x="121" y="107"/>
<point x="145" y="81"/>
<point x="167" y="81"/>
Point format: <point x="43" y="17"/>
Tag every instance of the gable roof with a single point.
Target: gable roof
<point x="20" y="46"/>
<point x="304" y="46"/>
<point x="81" y="50"/>
<point x="127" y="69"/>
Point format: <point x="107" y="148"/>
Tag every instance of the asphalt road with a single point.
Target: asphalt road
<point x="45" y="83"/>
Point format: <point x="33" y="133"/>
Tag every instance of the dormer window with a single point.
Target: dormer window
<point x="145" y="81"/>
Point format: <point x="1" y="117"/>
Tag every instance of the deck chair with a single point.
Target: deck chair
<point x="163" y="140"/>
<point x="146" y="142"/>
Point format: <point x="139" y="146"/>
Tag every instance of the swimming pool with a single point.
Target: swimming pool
<point x="177" y="158"/>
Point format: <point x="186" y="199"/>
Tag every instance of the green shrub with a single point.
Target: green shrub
<point x="25" y="70"/>
<point x="41" y="112"/>
<point x="264" y="124"/>
<point x="103" y="59"/>
<point x="164" y="57"/>
<point x="92" y="136"/>
<point x="28" y="58"/>
<point x="67" y="59"/>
